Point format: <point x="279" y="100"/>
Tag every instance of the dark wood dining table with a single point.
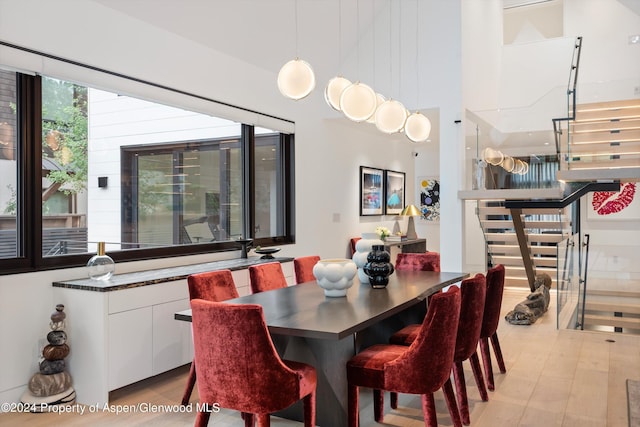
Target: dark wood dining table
<point x="326" y="332"/>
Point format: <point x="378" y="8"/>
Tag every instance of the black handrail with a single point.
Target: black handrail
<point x="571" y="94"/>
<point x="572" y="192"/>
<point x="585" y="244"/>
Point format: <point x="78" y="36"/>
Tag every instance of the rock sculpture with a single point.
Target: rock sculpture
<point x="53" y="384"/>
<point x="528" y="311"/>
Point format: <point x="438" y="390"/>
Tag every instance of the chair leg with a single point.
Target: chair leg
<point x="461" y="388"/>
<point x="352" y="406"/>
<point x="378" y="405"/>
<point x="249" y="419"/>
<point x="191" y="381"/>
<point x="202" y="419"/>
<point x="264" y="420"/>
<point x="486" y="361"/>
<point x="498" y="352"/>
<point x="477" y="374"/>
<point x="309" y="402"/>
<point x="450" y="398"/>
<point x="394" y="400"/>
<point x="429" y="410"/>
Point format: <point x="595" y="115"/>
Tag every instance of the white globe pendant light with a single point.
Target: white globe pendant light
<point x="379" y="100"/>
<point x="358" y="102"/>
<point x="296" y="79"/>
<point x="334" y="90"/>
<point x="391" y="116"/>
<point x="417" y="127"/>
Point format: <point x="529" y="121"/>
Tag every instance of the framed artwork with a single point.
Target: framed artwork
<point x="610" y="205"/>
<point x="429" y="196"/>
<point x="371" y="191"/>
<point x="394" y="199"/>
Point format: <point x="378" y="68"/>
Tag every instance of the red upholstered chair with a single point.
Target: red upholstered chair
<point x="421" y="368"/>
<point x="265" y="277"/>
<point x="427" y="261"/>
<point x="495" y="287"/>
<point x="303" y="268"/>
<point x="471" y="314"/>
<point x="352" y="244"/>
<point x="243" y="371"/>
<point x="210" y="286"/>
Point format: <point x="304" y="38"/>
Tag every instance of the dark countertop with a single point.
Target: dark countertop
<point x="119" y="282"/>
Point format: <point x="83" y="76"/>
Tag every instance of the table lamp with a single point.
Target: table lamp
<point x="411" y="211"/>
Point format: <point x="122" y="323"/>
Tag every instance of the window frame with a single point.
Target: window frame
<point x="29" y="195"/>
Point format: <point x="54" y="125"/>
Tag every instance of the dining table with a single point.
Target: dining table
<point x="325" y="332"/>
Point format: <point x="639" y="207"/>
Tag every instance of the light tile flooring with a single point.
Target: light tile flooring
<point x="554" y="378"/>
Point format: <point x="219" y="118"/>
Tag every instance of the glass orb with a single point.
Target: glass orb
<point x="493" y="157"/>
<point x="508" y="163"/>
<point x="296" y="79"/>
<point x="333" y="91"/>
<point x="391" y="116"/>
<point x="379" y="100"/>
<point x="358" y="102"/>
<point x="417" y="127"/>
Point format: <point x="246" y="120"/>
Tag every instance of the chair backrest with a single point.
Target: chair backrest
<point x="474" y="291"/>
<point x="239" y="371"/>
<point x="427" y="363"/>
<point x="303" y="268"/>
<point x="495" y="287"/>
<point x="212" y="286"/>
<point x="426" y="261"/>
<point x="265" y="277"/>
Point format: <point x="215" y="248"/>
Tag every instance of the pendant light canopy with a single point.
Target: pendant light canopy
<point x="334" y="90"/>
<point x="417" y="127"/>
<point x="358" y="102"/>
<point x="391" y="116"/>
<point x="296" y="79"/>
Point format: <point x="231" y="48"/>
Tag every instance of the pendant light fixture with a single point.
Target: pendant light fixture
<point x="296" y="78"/>
<point x="336" y="85"/>
<point x="391" y="115"/>
<point x="418" y="126"/>
<point x="358" y="101"/>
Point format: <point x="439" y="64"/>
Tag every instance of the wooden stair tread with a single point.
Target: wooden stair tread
<point x="613" y="306"/>
<point x="620" y="322"/>
<point x="515" y="249"/>
<point x="608" y="105"/>
<point x="627" y="135"/>
<point x="628" y="124"/>
<point x="605" y="164"/>
<point x="536" y="237"/>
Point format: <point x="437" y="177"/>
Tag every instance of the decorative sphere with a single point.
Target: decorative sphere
<point x="358" y="102"/>
<point x="296" y="79"/>
<point x="335" y="276"/>
<point x="333" y="91"/>
<point x="391" y="116"/>
<point x="417" y="127"/>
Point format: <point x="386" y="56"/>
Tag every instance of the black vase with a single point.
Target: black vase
<point x="378" y="268"/>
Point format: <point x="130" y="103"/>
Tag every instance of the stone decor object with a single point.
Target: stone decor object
<point x="53" y="384"/>
<point x="528" y="311"/>
<point x="335" y="276"/>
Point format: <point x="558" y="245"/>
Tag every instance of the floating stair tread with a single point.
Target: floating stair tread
<point x="605" y="149"/>
<point x="612" y="306"/>
<point x="620" y="322"/>
<point x="577" y="128"/>
<point x="515" y="249"/>
<point x="537" y="237"/>
<point x="608" y="105"/>
<point x="498" y="210"/>
<point x="508" y="224"/>
<point x="516" y="261"/>
<point x="628" y="135"/>
<point x="605" y="164"/>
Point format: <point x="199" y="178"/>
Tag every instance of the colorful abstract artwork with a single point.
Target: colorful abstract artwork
<point x="429" y="196"/>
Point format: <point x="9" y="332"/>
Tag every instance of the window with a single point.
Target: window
<point x="146" y="178"/>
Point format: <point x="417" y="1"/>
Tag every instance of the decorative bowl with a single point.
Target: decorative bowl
<point x="267" y="253"/>
<point x="335" y="276"/>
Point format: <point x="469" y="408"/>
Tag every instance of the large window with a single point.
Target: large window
<point x="146" y="178"/>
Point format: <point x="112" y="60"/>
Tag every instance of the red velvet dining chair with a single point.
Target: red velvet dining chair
<point x="490" y="321"/>
<point x="244" y="372"/>
<point x="211" y="286"/>
<point x="265" y="277"/>
<point x="303" y="268"/>
<point x="421" y="368"/>
<point x="471" y="313"/>
<point x="424" y="261"/>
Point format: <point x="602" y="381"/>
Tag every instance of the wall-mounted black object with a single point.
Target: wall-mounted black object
<point x="102" y="181"/>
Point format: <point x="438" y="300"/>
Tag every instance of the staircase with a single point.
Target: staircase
<point x="611" y="310"/>
<point x="603" y="142"/>
<point x="544" y="228"/>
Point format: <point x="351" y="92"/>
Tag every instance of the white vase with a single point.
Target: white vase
<point x="335" y="276"/>
<point x="363" y="247"/>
